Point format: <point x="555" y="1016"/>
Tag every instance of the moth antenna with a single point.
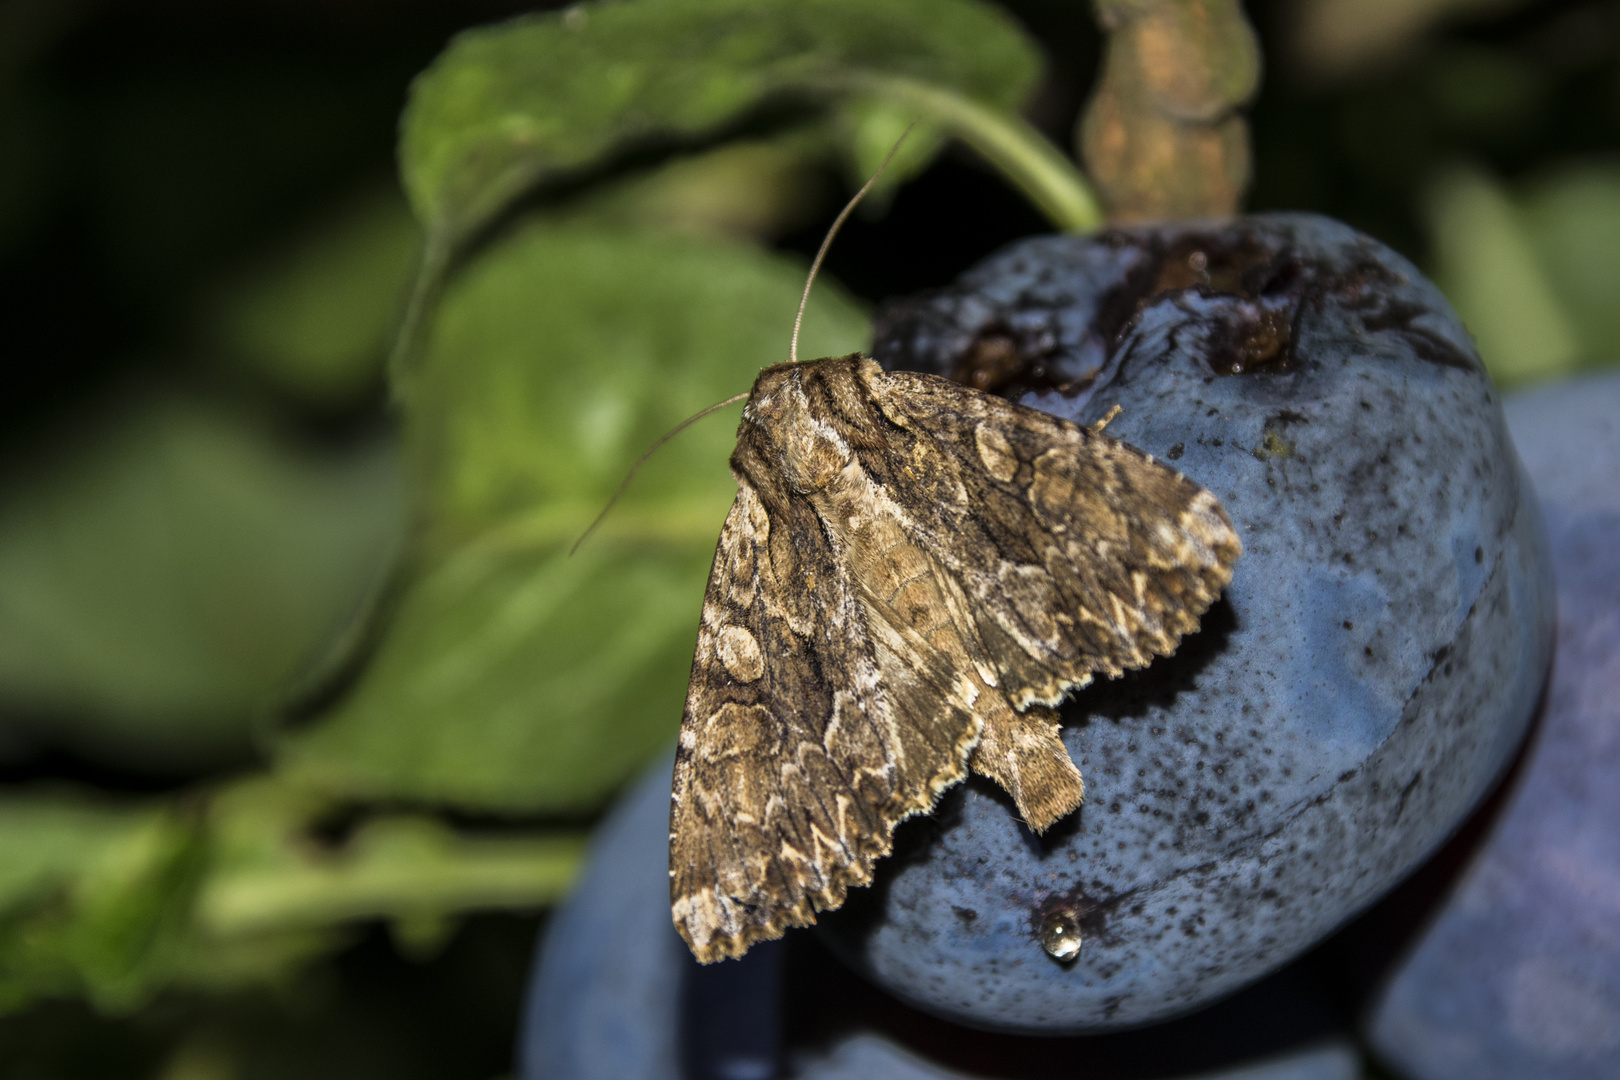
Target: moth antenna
<point x="838" y="223"/>
<point x="642" y="460"/>
<point x="1105" y="421"/>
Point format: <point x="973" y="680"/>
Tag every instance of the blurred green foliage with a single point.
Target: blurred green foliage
<point x="514" y="677"/>
<point x="313" y="318"/>
<point x="168" y="567"/>
<point x="556" y="97"/>
<point x="378" y="626"/>
<point x="508" y="107"/>
<point x="1534" y="270"/>
<point x="94" y="898"/>
<point x="296" y="675"/>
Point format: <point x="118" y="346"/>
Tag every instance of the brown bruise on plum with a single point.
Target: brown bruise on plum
<point x="1256" y="291"/>
<point x="912" y="575"/>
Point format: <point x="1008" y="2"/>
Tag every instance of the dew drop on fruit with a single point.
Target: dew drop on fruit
<point x="1060" y="936"/>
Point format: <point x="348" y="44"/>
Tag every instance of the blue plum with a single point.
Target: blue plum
<point x="604" y="1001"/>
<point x="1370" y="672"/>
<point x="1518" y="975"/>
<point x="617" y="996"/>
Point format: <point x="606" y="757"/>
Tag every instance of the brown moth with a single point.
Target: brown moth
<point x="914" y="573"/>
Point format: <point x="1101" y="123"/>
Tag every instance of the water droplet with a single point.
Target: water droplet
<point x="1060" y="936"/>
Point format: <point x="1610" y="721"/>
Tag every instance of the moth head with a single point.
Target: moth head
<point x="766" y="399"/>
<point x="786" y="425"/>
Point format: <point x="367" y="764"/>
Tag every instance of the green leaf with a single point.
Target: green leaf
<point x="513" y="677"/>
<point x="272" y="885"/>
<point x="872" y="128"/>
<point x="314" y="318"/>
<point x="545" y="96"/>
<point x="167" y="569"/>
<point x="756" y="189"/>
<point x="1572" y="216"/>
<point x="47" y="840"/>
<point x="117" y="902"/>
<point x="1534" y="270"/>
<point x="549" y="98"/>
<point x="95" y="900"/>
<point x="396" y="866"/>
<point x="1486" y="263"/>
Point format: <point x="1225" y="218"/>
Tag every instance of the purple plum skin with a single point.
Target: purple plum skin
<point x="1370" y="672"/>
<point x="1518" y="975"/>
<point x="611" y="999"/>
<point x="603" y="1002"/>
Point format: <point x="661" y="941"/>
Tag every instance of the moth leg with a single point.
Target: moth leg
<point x="1021" y="751"/>
<point x="1105" y="421"/>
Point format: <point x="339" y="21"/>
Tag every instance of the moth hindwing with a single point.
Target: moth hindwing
<point x="912" y="575"/>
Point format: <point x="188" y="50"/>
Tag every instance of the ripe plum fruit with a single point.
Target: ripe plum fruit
<point x="1368" y="674"/>
<point x="1370" y="671"/>
<point x="1518" y="973"/>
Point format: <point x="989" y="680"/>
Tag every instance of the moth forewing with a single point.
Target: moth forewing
<point x="912" y="572"/>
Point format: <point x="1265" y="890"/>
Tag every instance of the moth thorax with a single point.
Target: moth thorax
<point x="808" y="447"/>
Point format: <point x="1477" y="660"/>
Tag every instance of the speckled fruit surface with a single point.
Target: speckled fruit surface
<point x="1369" y="673"/>
<point x="1519" y="974"/>
<point x="1372" y="668"/>
<point x="616" y="996"/>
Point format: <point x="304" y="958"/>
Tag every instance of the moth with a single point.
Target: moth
<point x="913" y="574"/>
